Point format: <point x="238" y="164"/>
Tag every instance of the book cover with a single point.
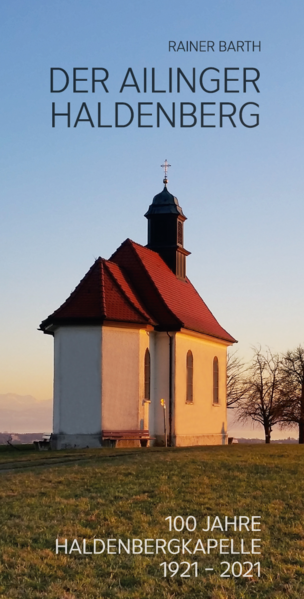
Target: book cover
<point x="188" y="114"/>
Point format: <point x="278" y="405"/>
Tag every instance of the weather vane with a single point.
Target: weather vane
<point x="165" y="166"/>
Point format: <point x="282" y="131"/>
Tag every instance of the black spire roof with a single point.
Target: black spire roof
<point x="164" y="203"/>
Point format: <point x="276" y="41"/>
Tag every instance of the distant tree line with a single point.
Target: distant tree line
<point x="269" y="390"/>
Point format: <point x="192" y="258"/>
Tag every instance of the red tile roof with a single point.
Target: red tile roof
<point x="103" y="294"/>
<point x="169" y="300"/>
<point x="136" y="286"/>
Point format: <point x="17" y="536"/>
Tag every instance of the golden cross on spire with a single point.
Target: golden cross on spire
<point x="165" y="166"/>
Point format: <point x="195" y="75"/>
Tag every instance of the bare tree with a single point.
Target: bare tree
<point x="236" y="387"/>
<point x="292" y="390"/>
<point x="261" y="401"/>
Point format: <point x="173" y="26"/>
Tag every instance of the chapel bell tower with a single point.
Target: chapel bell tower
<point x="166" y="229"/>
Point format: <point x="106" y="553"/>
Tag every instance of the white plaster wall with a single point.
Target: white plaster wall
<point x="99" y="383"/>
<point x="77" y="380"/>
<point x="202" y="417"/>
<point x="122" y="377"/>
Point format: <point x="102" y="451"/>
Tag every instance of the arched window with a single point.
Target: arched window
<point x="147" y="374"/>
<point x="189" y="395"/>
<point x="215" y="380"/>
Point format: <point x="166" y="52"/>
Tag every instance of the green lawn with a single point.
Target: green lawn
<point x="128" y="493"/>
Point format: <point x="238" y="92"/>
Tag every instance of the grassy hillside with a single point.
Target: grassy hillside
<point x="126" y="494"/>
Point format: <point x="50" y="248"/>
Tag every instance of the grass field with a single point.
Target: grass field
<point x="128" y="493"/>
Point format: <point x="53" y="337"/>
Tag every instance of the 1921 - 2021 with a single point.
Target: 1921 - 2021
<point x="235" y="569"/>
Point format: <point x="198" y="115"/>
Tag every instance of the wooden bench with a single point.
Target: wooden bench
<point x="44" y="444"/>
<point x="127" y="435"/>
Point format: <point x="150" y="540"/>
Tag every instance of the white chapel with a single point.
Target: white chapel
<point x="135" y="332"/>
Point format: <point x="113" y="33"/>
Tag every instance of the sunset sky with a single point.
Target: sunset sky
<point x="69" y="195"/>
